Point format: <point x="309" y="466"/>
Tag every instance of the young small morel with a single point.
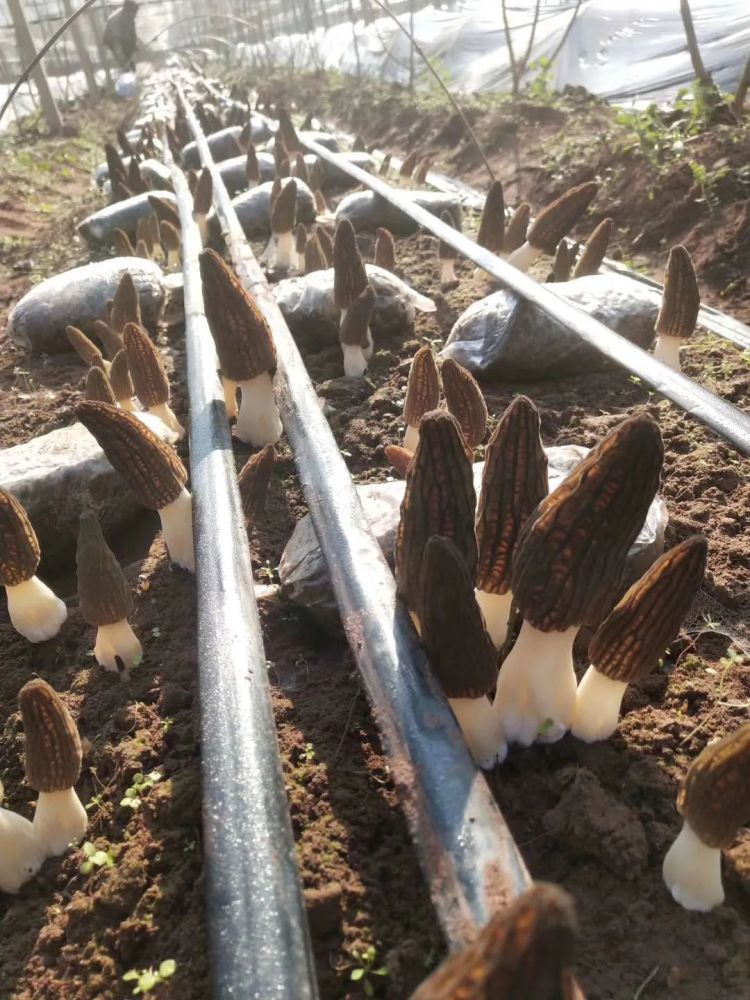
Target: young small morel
<point x="594" y="250"/>
<point x="409" y="164"/>
<point x="315" y="259"/>
<point x="152" y="469"/>
<point x="283" y="218"/>
<point x="149" y="376"/>
<point x="326" y="245"/>
<point x="105" y="598"/>
<point x="461" y="653"/>
<point x="254" y="480"/>
<point x="491" y="234"/>
<point x="245" y="347"/>
<point x="567" y="569"/>
<point x="111" y="341"/>
<point x="714" y="802"/>
<point x="563" y="262"/>
<point x="170" y="238"/>
<point x="349" y="274"/>
<point x="121" y="382"/>
<point x="399" y="457"/>
<point x="422" y="393"/>
<point x="385" y="250"/>
<point x="518" y="224"/>
<point x="552" y="224"/>
<point x="202" y="201"/>
<point x="98" y="386"/>
<point x="121" y="243"/>
<point x="355" y="336"/>
<point x="34" y="611"/>
<point x="465" y="401"/>
<point x="85" y="348"/>
<point x="53" y="766"/>
<point x="514" y="481"/>
<point x="126" y="306"/>
<point x="447" y="256"/>
<point x="680" y="304"/>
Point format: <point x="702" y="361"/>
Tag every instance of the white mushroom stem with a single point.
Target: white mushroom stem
<point x="496" y="611"/>
<point x="536" y="689"/>
<point x="355" y="362"/>
<point x="597" y="710"/>
<point x="177" y="527"/>
<point x="369" y="348"/>
<point x="174" y="263"/>
<point x="117" y="640"/>
<point x="128" y="404"/>
<point x="447" y="271"/>
<point x="202" y="221"/>
<point x="482" y="730"/>
<point x="21" y="854"/>
<point x="284" y="249"/>
<point x="59" y="819"/>
<point x="411" y="437"/>
<point x="258" y="420"/>
<point x="692" y="872"/>
<point x="164" y="412"/>
<point x="230" y="397"/>
<point x="667" y="350"/>
<point x="34" y="610"/>
<point x="524" y="256"/>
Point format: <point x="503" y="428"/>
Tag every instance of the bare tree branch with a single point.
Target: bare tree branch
<point x="701" y="73"/>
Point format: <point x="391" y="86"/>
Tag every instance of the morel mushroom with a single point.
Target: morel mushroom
<point x="407" y="167"/>
<point x="461" y="653"/>
<point x="400" y="458"/>
<point x="283" y="217"/>
<point x="524" y="953"/>
<point x="21" y="854"/>
<point x="170" y="238"/>
<point x="714" y="802"/>
<point x="491" y="234"/>
<point x="355" y="336"/>
<point x="385" y="250"/>
<point x="245" y="347"/>
<point x="566" y="571"/>
<point x="439" y="499"/>
<point x="252" y="167"/>
<point x="680" y="304"/>
<point x="422" y="393"/>
<point x="552" y="224"/>
<point x="315" y="259"/>
<point x="518" y="224"/>
<point x="300" y="242"/>
<point x="111" y="341"/>
<point x="105" y="598"/>
<point x="121" y="382"/>
<point x="85" y="348"/>
<point x="126" y="306"/>
<point x="465" y="401"/>
<point x="53" y="766"/>
<point x="149" y="376"/>
<point x="349" y="282"/>
<point x="254" y="479"/>
<point x="151" y="468"/>
<point x="121" y="243"/>
<point x="514" y="481"/>
<point x="594" y="250"/>
<point x="202" y="201"/>
<point x="627" y="645"/>
<point x="447" y="256"/>
<point x="35" y="612"/>
<point x="98" y="386"/>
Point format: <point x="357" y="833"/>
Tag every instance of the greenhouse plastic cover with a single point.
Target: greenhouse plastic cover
<point x="624" y="52"/>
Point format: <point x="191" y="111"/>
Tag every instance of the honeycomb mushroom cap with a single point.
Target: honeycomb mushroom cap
<point x="85" y="348"/>
<point x="119" y="377"/>
<point x="423" y="386"/>
<point x="203" y="195"/>
<point x="53" y="746"/>
<point x="594" y="250"/>
<point x="126" y="306"/>
<point x="146" y="369"/>
<point x="254" y="480"/>
<point x="681" y="300"/>
<point x="103" y="591"/>
<point x="465" y="401"/>
<point x="557" y="219"/>
<point x="385" y="250"/>
<point x="349" y="275"/>
<point x="518" y="224"/>
<point x="98" y="386"/>
<point x="491" y="233"/>
<point x="284" y="208"/>
<point x="715" y="795"/>
<point x="19" y="548"/>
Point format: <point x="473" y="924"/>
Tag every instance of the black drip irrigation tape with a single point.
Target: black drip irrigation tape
<point x="258" y="936"/>
<point x="720" y="416"/>
<point x="468" y="856"/>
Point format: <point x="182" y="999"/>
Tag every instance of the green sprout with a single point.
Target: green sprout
<point x="94" y="859"/>
<point x="147" y="979"/>
<point x="141" y="783"/>
<point x="366" y="969"/>
<point x="308" y="754"/>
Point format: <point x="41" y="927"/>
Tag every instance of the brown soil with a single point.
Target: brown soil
<point x="70" y="935"/>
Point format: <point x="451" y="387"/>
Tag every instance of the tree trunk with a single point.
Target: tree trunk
<point x="701" y="73"/>
<point x="738" y="105"/>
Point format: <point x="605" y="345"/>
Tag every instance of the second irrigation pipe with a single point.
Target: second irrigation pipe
<point x="467" y="853"/>
<point x="257" y="928"/>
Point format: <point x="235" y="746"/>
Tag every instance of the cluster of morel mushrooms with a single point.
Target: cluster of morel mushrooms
<point x="466" y="567"/>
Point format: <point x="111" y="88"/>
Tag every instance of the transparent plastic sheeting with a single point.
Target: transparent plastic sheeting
<point x="624" y="52"/>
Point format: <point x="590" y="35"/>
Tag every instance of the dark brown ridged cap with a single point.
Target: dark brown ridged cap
<point x="525" y="952"/>
<point x="385" y="165"/>
<point x="288" y="132"/>
<point x="408" y="165"/>
<point x="491" y="233"/>
<point x="326" y="244"/>
<point x="126" y="306"/>
<point x="19" y="548"/>
<point x="170" y="237"/>
<point x="119" y="377"/>
<point x="121" y="243"/>
<point x="315" y="259"/>
<point x="422" y="169"/>
<point x="385" y="250"/>
<point x="115" y="164"/>
<point x="353" y="328"/>
<point x="146" y="369"/>
<point x="445" y="250"/>
<point x="254" y="479"/>
<point x="192" y="179"/>
<point x="300" y="168"/>
<point x="252" y="167"/>
<point x="300" y="239"/>
<point x="572" y="550"/>
<point x="398" y="457"/>
<point x="203" y="194"/>
<point x="134" y="180"/>
<point x="349" y="275"/>
<point x="461" y="653"/>
<point x="594" y="250"/>
<point x="151" y="468"/>
<point x="439" y="500"/>
<point x="628" y="643"/>
<point x="561" y="265"/>
<point x="465" y="401"/>
<point x="98" y="387"/>
<point x="144" y="236"/>
<point x="120" y="192"/>
<point x="557" y="219"/>
<point x="715" y="795"/>
<point x="103" y="591"/>
<point x="53" y="747"/>
<point x="85" y="348"/>
<point x="283" y="168"/>
<point x="241" y="333"/>
<point x="125" y="144"/>
<point x="284" y="208"/>
<point x="111" y="341"/>
<point x="514" y="481"/>
<point x="165" y="211"/>
<point x="681" y="299"/>
<point x="518" y="224"/>
<point x="422" y="388"/>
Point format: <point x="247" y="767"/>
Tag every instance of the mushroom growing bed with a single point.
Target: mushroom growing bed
<point x="595" y="818"/>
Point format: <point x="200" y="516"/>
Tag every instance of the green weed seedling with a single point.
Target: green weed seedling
<point x="94" y="859"/>
<point x="141" y="784"/>
<point x="147" y="979"/>
<point x="366" y="969"/>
